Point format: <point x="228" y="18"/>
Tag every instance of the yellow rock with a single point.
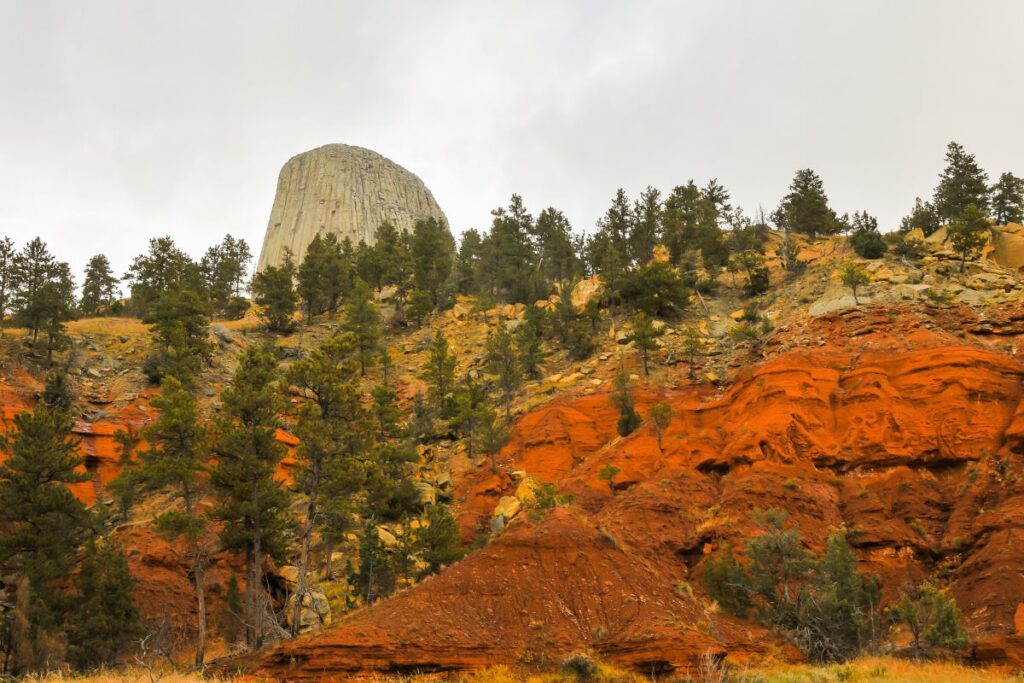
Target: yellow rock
<point x="508" y="507"/>
<point x="712" y="377"/>
<point x="527" y="490"/>
<point x="386" y="537"/>
<point x="737" y="315"/>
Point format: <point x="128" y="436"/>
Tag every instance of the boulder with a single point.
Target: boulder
<point x="314" y="613"/>
<point x="508" y="507"/>
<point x="586" y="291"/>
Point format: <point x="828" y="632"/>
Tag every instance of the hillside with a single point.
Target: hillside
<point x="898" y="418"/>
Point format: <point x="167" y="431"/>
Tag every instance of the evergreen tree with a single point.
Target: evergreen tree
<point x="726" y="581"/>
<point x="175" y="461"/>
<point x="375" y="578"/>
<point x="655" y="289"/>
<point x="433" y="253"/>
<point x="557" y="254"/>
<point x="494" y="434"/>
<point x="508" y="264"/>
<point x="104" y="620"/>
<point x="961" y="184"/>
<point x="161" y="270"/>
<point x="865" y="239"/>
<point x="932" y="617"/>
<point x="125" y="486"/>
<point x="688" y="219"/>
<point x="968" y="234"/>
<point x="607" y="473"/>
<point x="661" y="418"/>
<point x="324" y="274"/>
<point x="922" y="216"/>
<point x="693" y="347"/>
<point x="805" y="209"/>
<point x="438" y="538"/>
<point x="41" y="522"/>
<point x="420" y="306"/>
<point x="251" y="502"/>
<point x="503" y="362"/>
<point x="467" y="263"/>
<point x="57" y="394"/>
<point x="622" y="399"/>
<point x="395" y="261"/>
<point x="1008" y="199"/>
<point x="854" y="277"/>
<point x="334" y="434"/>
<point x="223" y="268"/>
<point x="468" y="411"/>
<point x="777" y="564"/>
<point x="646" y="223"/>
<point x="180" y="331"/>
<point x="43" y="297"/>
<point x="439" y="374"/>
<point x="274" y="290"/>
<point x="645" y="336"/>
<point x="529" y="342"/>
<point x="8" y="275"/>
<point x="362" y="320"/>
<point x="99" y="289"/>
<point x="386" y="412"/>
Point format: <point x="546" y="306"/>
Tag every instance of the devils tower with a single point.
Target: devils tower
<point x="345" y="190"/>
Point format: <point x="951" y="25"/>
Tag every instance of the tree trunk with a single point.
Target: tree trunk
<point x="197" y="582"/>
<point x="250" y="603"/>
<point x="301" y="580"/>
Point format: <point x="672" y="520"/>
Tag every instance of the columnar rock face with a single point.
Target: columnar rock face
<point x="345" y="190"/>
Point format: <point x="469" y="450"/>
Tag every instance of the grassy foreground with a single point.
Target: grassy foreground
<point x="865" y="670"/>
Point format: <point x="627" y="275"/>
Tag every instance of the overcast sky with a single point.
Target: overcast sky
<point x="121" y="121"/>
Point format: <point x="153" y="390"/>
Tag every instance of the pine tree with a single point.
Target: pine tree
<point x="251" y="502"/>
<point x="274" y="290"/>
<point x="557" y="254"/>
<point x="509" y="262"/>
<point x="622" y="399"/>
<point x="223" y="269"/>
<point x="375" y="578"/>
<point x="607" y="473"/>
<point x="41" y="522"/>
<point x="438" y="538"/>
<point x="494" y="434"/>
<point x="693" y="347"/>
<point x="175" y="461"/>
<point x="104" y="620"/>
<point x="645" y="336"/>
<point x="439" y="374"/>
<point x="332" y="426"/>
<point x="1008" y="199"/>
<point x="99" y="289"/>
<point x="854" y="277"/>
<point x="503" y="362"/>
<point x="932" y="617"/>
<point x="57" y="394"/>
<point x="961" y="184"/>
<point x="362" y="319"/>
<point x="8" y="274"/>
<point x="646" y="222"/>
<point x="433" y="253"/>
<point x="865" y="239"/>
<point x="180" y="331"/>
<point x="805" y="209"/>
<point x="777" y="562"/>
<point x="43" y="297"/>
<point x="661" y="418"/>
<point x="467" y="414"/>
<point x="687" y="217"/>
<point x="467" y="263"/>
<point x="420" y="306"/>
<point x="656" y="289"/>
<point x="726" y="581"/>
<point x="922" y="216"/>
<point x="125" y="486"/>
<point x="162" y="269"/>
<point x="968" y="234"/>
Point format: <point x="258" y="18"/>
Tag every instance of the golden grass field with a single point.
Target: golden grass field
<point x="864" y="670"/>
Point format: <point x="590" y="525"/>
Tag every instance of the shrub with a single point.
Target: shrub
<point x="581" y="666"/>
<point x="932" y="617"/>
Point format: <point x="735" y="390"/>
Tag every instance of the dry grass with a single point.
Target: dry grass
<point x="129" y="675"/>
<point x="109" y="326"/>
<point x="872" y="670"/>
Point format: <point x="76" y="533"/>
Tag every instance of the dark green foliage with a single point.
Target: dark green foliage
<point x="508" y="266"/>
<point x="57" y="393"/>
<point x="854" y="277"/>
<point x="375" y="578"/>
<point x="467" y="263"/>
<point x="274" y="291"/>
<point x="581" y="667"/>
<point x="575" y="333"/>
<point x="439" y="374"/>
<point x="104" y="620"/>
<point x="421" y="305"/>
<point x="250" y="501"/>
<point x="125" y="486"/>
<point x="494" y="434"/>
<point x="1008" y="199"/>
<point x="690" y="221"/>
<point x="324" y="275"/>
<point x="41" y="522"/>
<point x="726" y="581"/>
<point x="865" y="239"/>
<point x="433" y="254"/>
<point x="180" y="336"/>
<point x="99" y="288"/>
<point x="8" y="273"/>
<point x="467" y="414"/>
<point x="661" y="417"/>
<point x="529" y="342"/>
<point x="645" y="337"/>
<point x="805" y="209"/>
<point x="759" y="282"/>
<point x="223" y="269"/>
<point x="622" y="399"/>
<point x="607" y="473"/>
<point x="968" y="233"/>
<point x="645" y="230"/>
<point x="908" y="248"/>
<point x="232" y="619"/>
<point x="362" y="320"/>
<point x="557" y="252"/>
<point x="778" y="565"/>
<point x="438" y="539"/>
<point x="932" y="617"/>
<point x="961" y="184"/>
<point x="43" y="296"/>
<point x="162" y="270"/>
<point x="922" y="216"/>
<point x="655" y="289"/>
<point x="503" y="362"/>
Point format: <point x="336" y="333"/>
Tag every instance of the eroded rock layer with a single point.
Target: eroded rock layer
<point x="881" y="421"/>
<point x="345" y="190"/>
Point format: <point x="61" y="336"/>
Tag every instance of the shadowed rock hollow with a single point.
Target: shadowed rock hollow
<point x="345" y="190"/>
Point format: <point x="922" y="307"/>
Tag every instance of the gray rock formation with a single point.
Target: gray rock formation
<point x="342" y="189"/>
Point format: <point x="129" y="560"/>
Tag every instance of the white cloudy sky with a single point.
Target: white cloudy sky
<point x="124" y="120"/>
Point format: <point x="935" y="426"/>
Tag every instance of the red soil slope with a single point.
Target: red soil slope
<point x="878" y="420"/>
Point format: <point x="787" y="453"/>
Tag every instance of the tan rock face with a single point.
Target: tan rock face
<point x="345" y="190"/>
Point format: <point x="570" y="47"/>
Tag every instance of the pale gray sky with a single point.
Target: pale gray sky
<point x="121" y="121"/>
